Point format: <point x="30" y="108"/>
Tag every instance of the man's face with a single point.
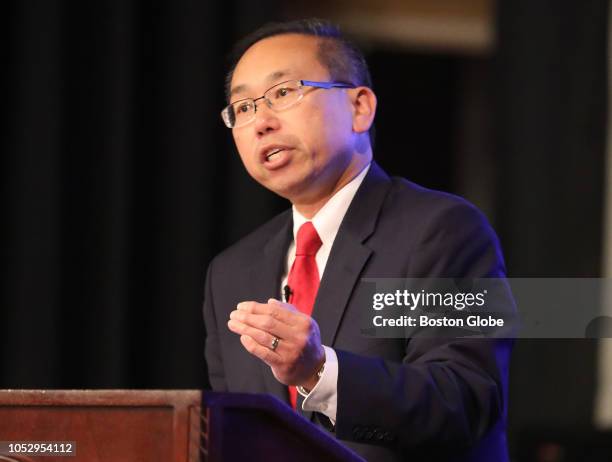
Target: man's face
<point x="315" y="135"/>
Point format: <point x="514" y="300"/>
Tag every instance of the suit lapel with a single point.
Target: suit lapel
<point x="347" y="258"/>
<point x="265" y="283"/>
<point x="346" y="261"/>
<point x="349" y="254"/>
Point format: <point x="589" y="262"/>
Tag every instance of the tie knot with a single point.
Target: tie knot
<point x="308" y="240"/>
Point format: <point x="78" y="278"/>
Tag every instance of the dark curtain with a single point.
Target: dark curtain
<point x="119" y="184"/>
<point x="551" y="96"/>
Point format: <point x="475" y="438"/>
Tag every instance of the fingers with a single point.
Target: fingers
<point x="263" y="337"/>
<point x="299" y="347"/>
<point x="276" y="318"/>
<point x="262" y="322"/>
<point x="271" y="358"/>
<point x="283" y="312"/>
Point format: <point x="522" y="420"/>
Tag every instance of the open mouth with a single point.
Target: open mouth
<point x="273" y="154"/>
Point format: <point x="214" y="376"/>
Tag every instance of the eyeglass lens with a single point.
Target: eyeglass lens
<point x="278" y="97"/>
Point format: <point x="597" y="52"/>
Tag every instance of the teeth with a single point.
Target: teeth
<point x="272" y="153"/>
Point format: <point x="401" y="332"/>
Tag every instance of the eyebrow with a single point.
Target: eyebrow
<point x="270" y="78"/>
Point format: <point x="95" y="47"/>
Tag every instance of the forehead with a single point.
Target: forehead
<point x="278" y="58"/>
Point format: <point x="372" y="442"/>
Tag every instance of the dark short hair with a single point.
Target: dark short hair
<point x="344" y="61"/>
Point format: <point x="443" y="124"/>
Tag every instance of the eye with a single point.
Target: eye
<point x="282" y="92"/>
<point x="243" y="107"/>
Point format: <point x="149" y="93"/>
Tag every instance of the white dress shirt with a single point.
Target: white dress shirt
<point x="323" y="397"/>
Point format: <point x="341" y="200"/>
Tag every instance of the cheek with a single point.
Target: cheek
<point x="334" y="126"/>
<point x="335" y="112"/>
<point x="342" y="114"/>
<point x="319" y="124"/>
<point x="243" y="145"/>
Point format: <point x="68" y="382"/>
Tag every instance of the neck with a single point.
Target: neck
<point x="308" y="207"/>
<point x="310" y="210"/>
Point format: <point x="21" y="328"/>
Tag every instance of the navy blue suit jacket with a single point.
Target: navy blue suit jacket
<point x="398" y="399"/>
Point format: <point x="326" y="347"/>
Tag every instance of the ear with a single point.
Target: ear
<point x="363" y="100"/>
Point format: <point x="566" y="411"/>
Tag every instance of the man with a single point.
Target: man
<point x="301" y="110"/>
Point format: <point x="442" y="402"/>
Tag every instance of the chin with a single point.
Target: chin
<point x="285" y="191"/>
<point x="288" y="190"/>
<point x="286" y="185"/>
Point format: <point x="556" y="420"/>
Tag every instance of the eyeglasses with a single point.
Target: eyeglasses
<point x="280" y="96"/>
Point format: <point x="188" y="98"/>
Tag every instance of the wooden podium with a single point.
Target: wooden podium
<point x="105" y="425"/>
<point x="151" y="426"/>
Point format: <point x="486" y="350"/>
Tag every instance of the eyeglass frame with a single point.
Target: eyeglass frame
<point x="303" y="83"/>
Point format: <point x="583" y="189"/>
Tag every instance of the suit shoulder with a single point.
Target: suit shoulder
<point x="428" y="204"/>
<point x="432" y="214"/>
<point x="446" y="229"/>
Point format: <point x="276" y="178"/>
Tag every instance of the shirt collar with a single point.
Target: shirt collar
<point x="327" y="220"/>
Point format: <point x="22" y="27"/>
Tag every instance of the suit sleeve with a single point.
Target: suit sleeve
<point x="214" y="362"/>
<point x="446" y="393"/>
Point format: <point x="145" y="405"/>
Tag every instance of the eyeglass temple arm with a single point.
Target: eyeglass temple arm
<point x="326" y="85"/>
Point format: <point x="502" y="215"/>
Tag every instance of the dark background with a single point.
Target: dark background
<point x="120" y="182"/>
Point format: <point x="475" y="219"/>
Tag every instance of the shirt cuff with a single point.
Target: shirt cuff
<point x="323" y="397"/>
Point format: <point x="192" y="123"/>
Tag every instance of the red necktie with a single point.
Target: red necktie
<point x="303" y="278"/>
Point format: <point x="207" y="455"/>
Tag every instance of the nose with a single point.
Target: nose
<point x="266" y="120"/>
